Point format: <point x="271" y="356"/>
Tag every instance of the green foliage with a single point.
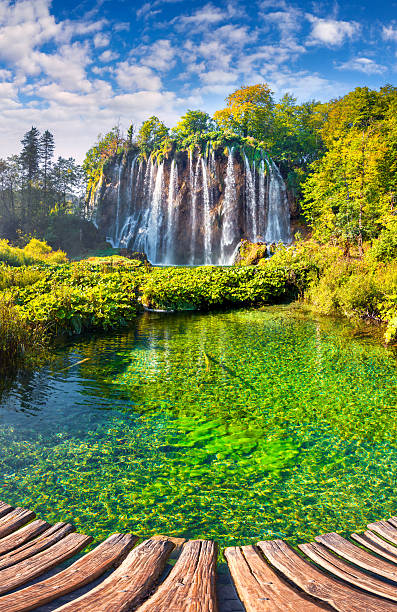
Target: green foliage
<point x="152" y="136"/>
<point x="105" y="147"/>
<point x="350" y="193"/>
<point x="384" y="248"/>
<point x="21" y="341"/>
<point x="36" y="251"/>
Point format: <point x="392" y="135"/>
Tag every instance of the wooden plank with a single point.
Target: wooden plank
<point x="5" y="508"/>
<point x="14" y="520"/>
<point x="375" y="543"/>
<point x="22" y="536"/>
<point x="190" y="586"/>
<point x="384" y="529"/>
<point x="28" y="569"/>
<point x="358" y="556"/>
<point x="33" y="547"/>
<point x="95" y="563"/>
<point x="310" y="579"/>
<point x="260" y="588"/>
<point x="320" y="555"/>
<point x="130" y="584"/>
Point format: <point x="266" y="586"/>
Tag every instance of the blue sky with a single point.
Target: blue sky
<point x="78" y="68"/>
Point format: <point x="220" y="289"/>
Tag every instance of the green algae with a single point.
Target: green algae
<point x="237" y="426"/>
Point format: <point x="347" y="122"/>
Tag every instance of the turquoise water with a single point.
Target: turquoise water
<point x="238" y="426"/>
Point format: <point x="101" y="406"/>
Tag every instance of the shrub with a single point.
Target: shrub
<point x="21" y="341"/>
<point x="384" y="248"/>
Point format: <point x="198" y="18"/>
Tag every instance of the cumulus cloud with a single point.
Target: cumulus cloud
<point x="362" y="64"/>
<point x="101" y="40"/>
<point x="132" y="76"/>
<point x="160" y="55"/>
<point x="331" y="32"/>
<point x="108" y="56"/>
<point x="389" y="33"/>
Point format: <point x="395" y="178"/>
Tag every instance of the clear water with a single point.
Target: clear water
<point x="238" y="426"/>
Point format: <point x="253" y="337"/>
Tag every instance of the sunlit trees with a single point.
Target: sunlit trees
<point x="152" y="135"/>
<point x="351" y="192"/>
<point x="248" y="111"/>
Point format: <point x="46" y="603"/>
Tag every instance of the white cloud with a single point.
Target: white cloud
<point x="331" y="32"/>
<point x="363" y="64"/>
<point x="108" y="56"/>
<point x="206" y="15"/>
<point x="160" y="55"/>
<point x="218" y="77"/>
<point x="389" y="33"/>
<point x="133" y="76"/>
<point x="101" y="40"/>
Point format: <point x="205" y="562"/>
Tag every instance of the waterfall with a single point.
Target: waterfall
<point x="278" y="225"/>
<point x="261" y="202"/>
<point x="194" y="187"/>
<point x="229" y="221"/>
<point x="180" y="214"/>
<point x="117" y="224"/>
<point x="250" y="198"/>
<point x="155" y="216"/>
<point x="207" y="217"/>
<point x="172" y="196"/>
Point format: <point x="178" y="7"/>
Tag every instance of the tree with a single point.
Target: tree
<point x="193" y="122"/>
<point x="47" y="147"/>
<point x="30" y="159"/>
<point x="130" y="134"/>
<point x="110" y="144"/>
<point x="248" y="111"/>
<point x="152" y="135"/>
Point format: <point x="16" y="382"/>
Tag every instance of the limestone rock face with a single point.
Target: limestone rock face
<point x="190" y="209"/>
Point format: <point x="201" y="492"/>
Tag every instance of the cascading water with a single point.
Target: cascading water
<point x="155" y="216"/>
<point x="191" y="209"/>
<point x="251" y="200"/>
<point x="278" y="224"/>
<point x="207" y="216"/>
<point x="229" y="221"/>
<point x="194" y="186"/>
<point x="172" y="196"/>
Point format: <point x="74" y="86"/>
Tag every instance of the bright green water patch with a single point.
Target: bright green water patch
<point x="237" y="426"/>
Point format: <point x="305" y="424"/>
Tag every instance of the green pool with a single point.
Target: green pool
<point x="237" y="426"/>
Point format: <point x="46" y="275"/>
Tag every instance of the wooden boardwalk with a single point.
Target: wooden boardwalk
<point x="358" y="574"/>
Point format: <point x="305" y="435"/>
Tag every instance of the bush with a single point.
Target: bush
<point x="33" y="253"/>
<point x="384" y="248"/>
<point x="21" y="341"/>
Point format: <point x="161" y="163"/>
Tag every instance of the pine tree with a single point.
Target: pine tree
<point x="47" y="147"/>
<point x="30" y="160"/>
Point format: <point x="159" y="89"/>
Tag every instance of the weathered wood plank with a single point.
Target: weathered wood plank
<point x="260" y="588"/>
<point x="5" y="508"/>
<point x="28" y="569"/>
<point x="33" y="547"/>
<point x="320" y="555"/>
<point x="306" y="576"/>
<point x="130" y="584"/>
<point x="190" y="586"/>
<point x="22" y="536"/>
<point x="384" y="529"/>
<point x="85" y="570"/>
<point x="14" y="520"/>
<point x="358" y="556"/>
<point x="375" y="543"/>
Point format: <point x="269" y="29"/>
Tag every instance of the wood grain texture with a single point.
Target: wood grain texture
<point x="33" y="547"/>
<point x="358" y="556"/>
<point x="14" y="520"/>
<point x="320" y="555"/>
<point x="28" y="569"/>
<point x="5" y="508"/>
<point x="260" y="588"/>
<point x="130" y="584"/>
<point x="384" y="529"/>
<point x="190" y="586"/>
<point x="307" y="577"/>
<point x="22" y="536"/>
<point x="95" y="563"/>
<point x="376" y="544"/>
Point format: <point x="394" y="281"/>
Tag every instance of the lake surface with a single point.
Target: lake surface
<point x="237" y="426"/>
